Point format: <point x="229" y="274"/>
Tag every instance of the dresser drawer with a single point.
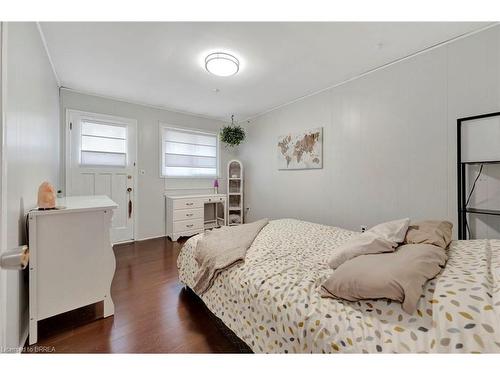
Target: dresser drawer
<point x="195" y="213"/>
<point x="180" y="204"/>
<point x="184" y="225"/>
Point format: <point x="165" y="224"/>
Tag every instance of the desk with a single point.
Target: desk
<point x="187" y="215"/>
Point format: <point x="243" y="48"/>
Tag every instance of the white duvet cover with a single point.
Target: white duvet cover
<point x="272" y="300"/>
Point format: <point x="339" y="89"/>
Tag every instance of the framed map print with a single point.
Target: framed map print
<point x="301" y="150"/>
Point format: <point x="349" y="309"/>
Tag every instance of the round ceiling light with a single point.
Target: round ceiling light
<point x="222" y="64"/>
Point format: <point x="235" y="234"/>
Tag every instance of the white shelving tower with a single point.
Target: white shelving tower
<point x="235" y="192"/>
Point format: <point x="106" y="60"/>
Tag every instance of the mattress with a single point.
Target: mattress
<point x="272" y="300"/>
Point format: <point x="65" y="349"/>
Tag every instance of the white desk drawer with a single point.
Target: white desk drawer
<point x="185" y="225"/>
<point x="196" y="213"/>
<point x="180" y="204"/>
<point x="213" y="199"/>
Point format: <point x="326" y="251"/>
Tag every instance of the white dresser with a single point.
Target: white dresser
<point x="187" y="215"/>
<point x="72" y="262"/>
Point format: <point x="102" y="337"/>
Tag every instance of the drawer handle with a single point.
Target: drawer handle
<point x="189" y="204"/>
<point x="189" y="214"/>
<point x="189" y="225"/>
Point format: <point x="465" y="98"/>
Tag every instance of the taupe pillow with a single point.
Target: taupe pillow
<point x="398" y="276"/>
<point x="381" y="238"/>
<point x="433" y="232"/>
<point x="364" y="243"/>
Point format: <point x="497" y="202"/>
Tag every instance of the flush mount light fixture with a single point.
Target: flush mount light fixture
<point x="222" y="64"/>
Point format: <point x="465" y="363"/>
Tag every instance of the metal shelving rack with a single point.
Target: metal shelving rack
<point x="463" y="210"/>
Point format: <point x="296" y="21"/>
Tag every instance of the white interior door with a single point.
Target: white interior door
<point x="101" y="160"/>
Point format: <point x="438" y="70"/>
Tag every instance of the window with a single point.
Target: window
<point x="103" y="144"/>
<point x="186" y="153"/>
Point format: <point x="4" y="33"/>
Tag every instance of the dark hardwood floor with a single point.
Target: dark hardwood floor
<point x="154" y="313"/>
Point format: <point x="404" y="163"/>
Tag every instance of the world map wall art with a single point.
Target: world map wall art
<point x="301" y="150"/>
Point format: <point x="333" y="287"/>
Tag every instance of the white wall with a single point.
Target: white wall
<point x="151" y="188"/>
<point x="31" y="149"/>
<point x="389" y="140"/>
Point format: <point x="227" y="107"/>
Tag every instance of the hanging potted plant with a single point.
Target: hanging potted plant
<point x="232" y="135"/>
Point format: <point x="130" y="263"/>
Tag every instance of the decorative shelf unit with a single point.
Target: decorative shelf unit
<point x="235" y="192"/>
<point x="477" y="145"/>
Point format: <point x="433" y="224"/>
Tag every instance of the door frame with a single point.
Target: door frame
<point x="67" y="155"/>
<point x="3" y="182"/>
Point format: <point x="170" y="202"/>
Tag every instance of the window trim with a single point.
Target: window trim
<point x="163" y="126"/>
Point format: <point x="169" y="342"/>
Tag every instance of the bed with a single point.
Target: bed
<point x="272" y="300"/>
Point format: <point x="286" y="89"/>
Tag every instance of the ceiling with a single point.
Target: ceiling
<point x="161" y="64"/>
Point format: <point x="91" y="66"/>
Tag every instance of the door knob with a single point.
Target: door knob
<point x="129" y="190"/>
<point x="16" y="259"/>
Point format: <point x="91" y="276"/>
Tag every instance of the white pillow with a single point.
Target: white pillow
<point x="382" y="238"/>
<point x="394" y="231"/>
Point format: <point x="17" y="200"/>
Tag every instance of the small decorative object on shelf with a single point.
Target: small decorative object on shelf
<point x="46" y="196"/>
<point x="232" y="135"/>
<point x="235" y="192"/>
<point x="216" y="186"/>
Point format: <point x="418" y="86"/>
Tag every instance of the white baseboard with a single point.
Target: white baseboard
<point x="139" y="239"/>
<point x="151" y="238"/>
<point x="122" y="242"/>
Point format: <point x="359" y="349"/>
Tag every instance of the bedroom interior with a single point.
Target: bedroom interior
<point x="217" y="186"/>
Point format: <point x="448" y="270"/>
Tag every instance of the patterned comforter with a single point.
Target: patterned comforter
<point x="272" y="300"/>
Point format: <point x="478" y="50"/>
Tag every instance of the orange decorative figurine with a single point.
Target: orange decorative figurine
<point x="46" y="196"/>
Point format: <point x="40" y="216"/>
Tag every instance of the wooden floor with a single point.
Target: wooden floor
<point x="153" y="312"/>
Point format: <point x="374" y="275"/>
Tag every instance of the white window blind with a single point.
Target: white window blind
<point x="188" y="153"/>
<point x="103" y="145"/>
